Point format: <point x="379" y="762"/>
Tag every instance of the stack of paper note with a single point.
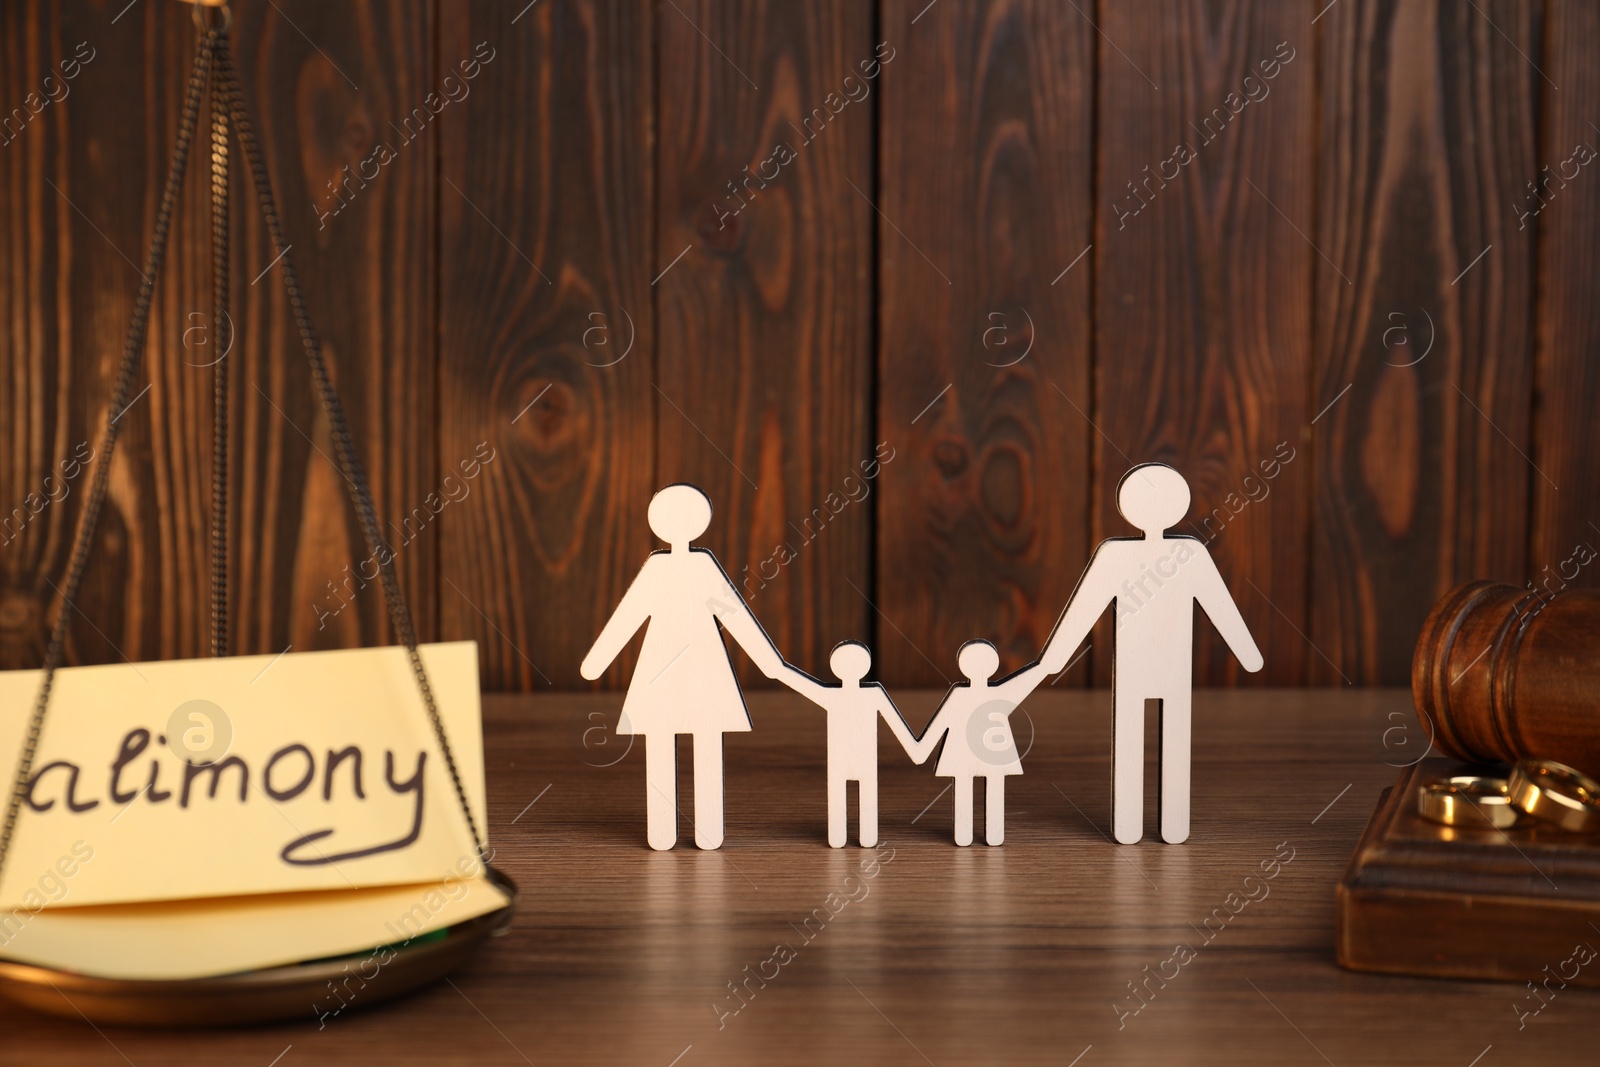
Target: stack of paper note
<point x="206" y="817"/>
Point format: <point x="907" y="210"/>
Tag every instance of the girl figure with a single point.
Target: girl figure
<point x="974" y="723"/>
<point x="683" y="683"/>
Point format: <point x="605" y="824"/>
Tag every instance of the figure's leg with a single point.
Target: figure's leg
<point x="1173" y="803"/>
<point x="1127" y="767"/>
<point x="867" y="802"/>
<point x="661" y="789"/>
<point x="708" y="790"/>
<point x="963" y="784"/>
<point x="994" y="810"/>
<point x="838" y="810"/>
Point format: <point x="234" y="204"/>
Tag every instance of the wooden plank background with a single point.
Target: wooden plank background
<point x="906" y="287"/>
<point x="1429" y="129"/>
<point x="763" y="372"/>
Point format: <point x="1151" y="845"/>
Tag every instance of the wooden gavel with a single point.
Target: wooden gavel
<point x="1503" y="673"/>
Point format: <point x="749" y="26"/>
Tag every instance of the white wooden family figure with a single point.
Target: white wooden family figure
<point x="684" y="682"/>
<point x="974" y="721"/>
<point x="1155" y="581"/>
<point x="853" y="709"/>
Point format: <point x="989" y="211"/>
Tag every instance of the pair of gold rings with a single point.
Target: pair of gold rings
<point x="1545" y="790"/>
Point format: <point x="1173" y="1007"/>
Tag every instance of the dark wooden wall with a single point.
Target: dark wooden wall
<point x="991" y="253"/>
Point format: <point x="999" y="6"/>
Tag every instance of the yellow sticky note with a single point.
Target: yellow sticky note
<point x="204" y="938"/>
<point x="244" y="775"/>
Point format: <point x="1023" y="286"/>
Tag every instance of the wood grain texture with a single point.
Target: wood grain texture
<point x="1566" y="437"/>
<point x="1428" y="129"/>
<point x="82" y="178"/>
<point x="764" y="374"/>
<point x="1468" y="901"/>
<point x="984" y="338"/>
<point x="546" y="330"/>
<point x="1203" y="316"/>
<point x="1350" y="269"/>
<point x="328" y="82"/>
<point x="368" y="275"/>
<point x="945" y="955"/>
<point x="50" y="277"/>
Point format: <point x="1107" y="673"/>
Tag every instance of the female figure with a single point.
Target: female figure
<point x="975" y="724"/>
<point x="683" y="683"/>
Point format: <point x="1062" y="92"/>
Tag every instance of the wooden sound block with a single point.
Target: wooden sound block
<point x="1521" y="904"/>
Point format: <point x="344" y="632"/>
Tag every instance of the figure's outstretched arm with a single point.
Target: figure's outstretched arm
<point x="1019" y="685"/>
<point x="729" y="608"/>
<point x="631" y="613"/>
<point x="1212" y="593"/>
<point x="1096" y="589"/>
<point x="813" y="690"/>
<point x="897" y="725"/>
<point x="923" y="747"/>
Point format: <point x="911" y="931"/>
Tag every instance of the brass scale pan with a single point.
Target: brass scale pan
<point x="268" y="995"/>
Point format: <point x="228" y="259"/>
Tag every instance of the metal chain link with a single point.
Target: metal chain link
<point x="213" y="58"/>
<point x="121" y="395"/>
<point x="344" y="445"/>
<point x="222" y="335"/>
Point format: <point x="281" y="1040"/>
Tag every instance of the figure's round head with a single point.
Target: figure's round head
<point x="978" y="660"/>
<point x="1153" y="497"/>
<point x="679" y="513"/>
<point x="850" y="661"/>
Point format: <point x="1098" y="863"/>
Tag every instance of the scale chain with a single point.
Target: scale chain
<point x="344" y="445"/>
<point x="213" y="62"/>
<point x="121" y="394"/>
<point x="222" y="342"/>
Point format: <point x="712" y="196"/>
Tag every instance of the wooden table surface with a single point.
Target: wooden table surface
<point x="935" y="955"/>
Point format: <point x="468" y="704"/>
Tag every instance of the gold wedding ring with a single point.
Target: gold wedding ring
<point x="1467" y="800"/>
<point x="1555" y="793"/>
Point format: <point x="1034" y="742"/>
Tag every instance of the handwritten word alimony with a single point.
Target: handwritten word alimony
<point x="287" y="774"/>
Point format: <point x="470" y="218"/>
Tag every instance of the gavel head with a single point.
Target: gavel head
<point x="1505" y="672"/>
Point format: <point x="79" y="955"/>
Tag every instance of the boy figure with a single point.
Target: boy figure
<point x="853" y="709"/>
<point x="1155" y="581"/>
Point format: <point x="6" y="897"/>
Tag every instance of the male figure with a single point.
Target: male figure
<point x="1155" y="581"/>
<point x="853" y="710"/>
